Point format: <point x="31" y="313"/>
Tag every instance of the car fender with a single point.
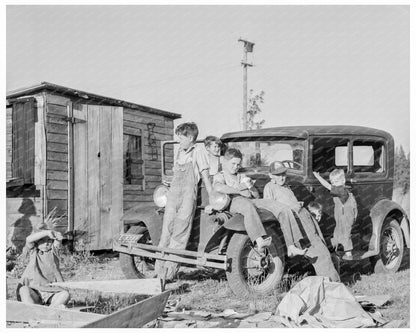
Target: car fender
<point x="378" y="214"/>
<point x="149" y="216"/>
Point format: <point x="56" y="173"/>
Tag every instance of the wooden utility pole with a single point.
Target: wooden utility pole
<point x="248" y="47"/>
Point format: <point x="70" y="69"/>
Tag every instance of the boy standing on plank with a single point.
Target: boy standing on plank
<point x="191" y="164"/>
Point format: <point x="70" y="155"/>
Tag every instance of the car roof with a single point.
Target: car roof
<point x="303" y="132"/>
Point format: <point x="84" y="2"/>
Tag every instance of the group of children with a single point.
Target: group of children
<point x="220" y="174"/>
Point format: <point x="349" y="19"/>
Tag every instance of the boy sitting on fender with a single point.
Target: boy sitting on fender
<point x="191" y="164"/>
<point x="241" y="190"/>
<point x="311" y="236"/>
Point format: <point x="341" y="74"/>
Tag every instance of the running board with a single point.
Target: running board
<point x="166" y="254"/>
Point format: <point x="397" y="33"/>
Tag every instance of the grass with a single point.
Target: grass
<point x="208" y="290"/>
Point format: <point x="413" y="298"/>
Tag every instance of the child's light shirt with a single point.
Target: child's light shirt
<point x="279" y="193"/>
<point x="228" y="179"/>
<point x="214" y="163"/>
<point x="42" y="269"/>
<point x="195" y="154"/>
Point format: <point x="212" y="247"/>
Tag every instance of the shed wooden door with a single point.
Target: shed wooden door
<point x="98" y="174"/>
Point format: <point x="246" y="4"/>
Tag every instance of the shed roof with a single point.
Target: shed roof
<point x="51" y="87"/>
<point x="305" y="131"/>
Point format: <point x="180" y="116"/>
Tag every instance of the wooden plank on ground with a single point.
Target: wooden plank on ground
<point x="131" y="286"/>
<point x="135" y="315"/>
<point x="22" y="312"/>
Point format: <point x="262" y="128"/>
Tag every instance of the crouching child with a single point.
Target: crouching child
<point x="42" y="269"/>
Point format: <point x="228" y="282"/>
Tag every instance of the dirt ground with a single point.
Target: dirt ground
<point x="202" y="298"/>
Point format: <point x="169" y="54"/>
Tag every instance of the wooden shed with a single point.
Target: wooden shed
<point x="90" y="156"/>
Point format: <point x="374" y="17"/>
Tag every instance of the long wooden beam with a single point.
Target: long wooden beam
<point x="129" y="286"/>
<point x="135" y="315"/>
<point x="22" y="312"/>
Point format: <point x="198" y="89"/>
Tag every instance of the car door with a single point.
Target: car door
<point x="370" y="181"/>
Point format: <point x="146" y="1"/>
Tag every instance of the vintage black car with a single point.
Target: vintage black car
<point x="219" y="240"/>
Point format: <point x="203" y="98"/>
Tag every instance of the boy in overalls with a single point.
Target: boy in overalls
<point x="345" y="209"/>
<point x="191" y="165"/>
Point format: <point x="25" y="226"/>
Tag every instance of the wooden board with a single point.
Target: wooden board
<point x="105" y="174"/>
<point x="80" y="170"/>
<point x="93" y="174"/>
<point x="21" y="312"/>
<point x="130" y="286"/>
<point x="135" y="315"/>
<point x="117" y="172"/>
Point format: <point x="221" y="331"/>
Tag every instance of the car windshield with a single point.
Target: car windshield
<point x="259" y="153"/>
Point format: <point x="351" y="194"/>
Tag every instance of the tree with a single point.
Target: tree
<point x="254" y="109"/>
<point x="402" y="170"/>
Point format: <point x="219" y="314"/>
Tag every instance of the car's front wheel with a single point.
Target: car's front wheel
<point x="136" y="267"/>
<point x="253" y="273"/>
<point x="391" y="247"/>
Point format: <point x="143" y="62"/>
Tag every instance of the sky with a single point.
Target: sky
<point x="318" y="65"/>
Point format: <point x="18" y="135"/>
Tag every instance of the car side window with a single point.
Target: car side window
<point x="368" y="156"/>
<point x="329" y="153"/>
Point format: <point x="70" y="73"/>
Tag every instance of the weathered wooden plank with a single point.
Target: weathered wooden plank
<point x="58" y="185"/>
<point x="57" y="138"/>
<point x="22" y="312"/>
<point x="131" y="130"/>
<point x="130" y="114"/>
<point x="137" y="197"/>
<point x="55" y="156"/>
<point x="59" y="204"/>
<point x="57" y="99"/>
<point x="57" y="128"/>
<point x="57" y="109"/>
<point x="28" y="206"/>
<point x="117" y="172"/>
<point x="57" y="194"/>
<point x="56" y="119"/>
<point x="57" y="175"/>
<point x="106" y="173"/>
<point x="80" y="170"/>
<point x="128" y="286"/>
<point x="135" y="315"/>
<point x="57" y="147"/>
<point x="9" y="139"/>
<point x="133" y="188"/>
<point x="93" y="167"/>
<point x="57" y="166"/>
<point x="153" y="178"/>
<point x="40" y="144"/>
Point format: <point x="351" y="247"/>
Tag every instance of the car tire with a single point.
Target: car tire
<point x="135" y="267"/>
<point x="392" y="248"/>
<point x="243" y="279"/>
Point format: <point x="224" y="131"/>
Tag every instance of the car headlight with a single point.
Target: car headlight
<point x="160" y="196"/>
<point x="219" y="201"/>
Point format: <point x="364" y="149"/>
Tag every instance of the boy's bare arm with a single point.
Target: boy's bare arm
<point x="322" y="181"/>
<point x="33" y="238"/>
<point x="223" y="188"/>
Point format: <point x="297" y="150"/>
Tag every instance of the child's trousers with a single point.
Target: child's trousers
<point x="177" y="220"/>
<point x="252" y="222"/>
